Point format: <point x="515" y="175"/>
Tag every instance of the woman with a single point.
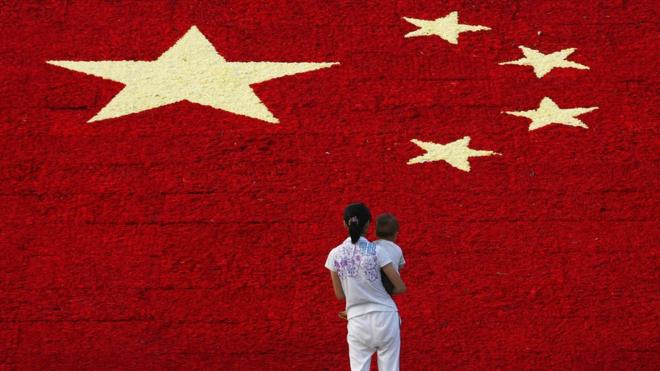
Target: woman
<point x="373" y="317"/>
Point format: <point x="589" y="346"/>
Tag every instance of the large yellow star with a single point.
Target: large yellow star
<point x="191" y="70"/>
<point x="456" y="153"/>
<point x="446" y="27"/>
<point x="544" y="63"/>
<point x="550" y="113"/>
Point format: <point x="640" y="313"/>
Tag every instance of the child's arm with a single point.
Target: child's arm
<point x="397" y="282"/>
<point x="336" y="285"/>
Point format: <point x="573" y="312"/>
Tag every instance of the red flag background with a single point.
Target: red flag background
<point x="188" y="237"/>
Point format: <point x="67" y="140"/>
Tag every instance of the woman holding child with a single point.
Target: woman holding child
<point x="356" y="266"/>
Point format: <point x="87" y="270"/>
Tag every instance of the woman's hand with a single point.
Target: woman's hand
<point x="397" y="282"/>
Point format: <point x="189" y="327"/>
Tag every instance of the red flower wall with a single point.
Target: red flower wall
<point x="187" y="237"/>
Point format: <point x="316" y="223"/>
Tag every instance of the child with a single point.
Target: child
<point x="387" y="229"/>
<point x="373" y="318"/>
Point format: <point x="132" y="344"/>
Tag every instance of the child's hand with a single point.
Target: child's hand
<point x="342" y="315"/>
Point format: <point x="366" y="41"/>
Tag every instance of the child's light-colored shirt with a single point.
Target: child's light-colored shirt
<point x="394" y="251"/>
<point x="358" y="267"/>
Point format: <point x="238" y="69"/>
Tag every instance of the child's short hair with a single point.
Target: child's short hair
<point x="386" y="226"/>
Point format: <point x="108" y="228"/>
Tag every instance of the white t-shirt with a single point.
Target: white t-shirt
<point x="394" y="251"/>
<point x="358" y="267"/>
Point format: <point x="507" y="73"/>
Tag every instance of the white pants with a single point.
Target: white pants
<point x="374" y="332"/>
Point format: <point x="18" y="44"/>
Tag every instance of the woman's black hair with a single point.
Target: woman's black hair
<point x="356" y="216"/>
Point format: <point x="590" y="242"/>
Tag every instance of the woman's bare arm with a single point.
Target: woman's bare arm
<point x="397" y="282"/>
<point x="336" y="284"/>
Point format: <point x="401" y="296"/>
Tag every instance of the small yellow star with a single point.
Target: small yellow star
<point x="550" y="113"/>
<point x="544" y="63"/>
<point x="456" y="153"/>
<point x="446" y="27"/>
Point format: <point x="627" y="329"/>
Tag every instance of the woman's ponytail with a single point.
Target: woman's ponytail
<point x="356" y="216"/>
<point x="354" y="229"/>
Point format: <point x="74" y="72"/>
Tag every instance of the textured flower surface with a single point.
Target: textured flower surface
<point x="171" y="183"/>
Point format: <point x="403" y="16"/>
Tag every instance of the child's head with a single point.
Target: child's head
<point x="387" y="227"/>
<point x="356" y="218"/>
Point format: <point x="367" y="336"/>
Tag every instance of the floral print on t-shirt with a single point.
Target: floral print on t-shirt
<point x="355" y="260"/>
